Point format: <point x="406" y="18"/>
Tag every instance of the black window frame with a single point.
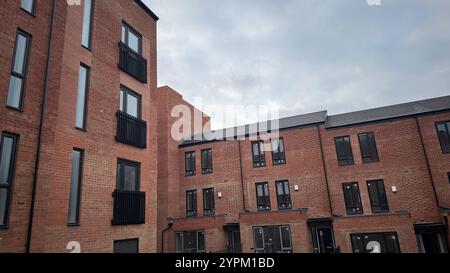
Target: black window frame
<point x="11" y="173"/>
<point x="91" y="18"/>
<point x="86" y="97"/>
<point x="117" y="242"/>
<point x="191" y="212"/>
<point x="263" y="229"/>
<point x="125" y="41"/>
<point x="22" y="76"/>
<point x="285" y="204"/>
<point x="371" y="149"/>
<point x="128" y="92"/>
<point x="207" y="161"/>
<point x="445" y="147"/>
<point x="448" y="176"/>
<point x="33" y="10"/>
<point x="120" y="177"/>
<point x="258" y="160"/>
<point x="79" y="191"/>
<point x="192" y="158"/>
<point x="384" y="234"/>
<point x="349" y="158"/>
<point x="198" y="234"/>
<point x="383" y="205"/>
<point x="209" y="206"/>
<point x="352" y="198"/>
<point x="265" y="206"/>
<point x="278" y="157"/>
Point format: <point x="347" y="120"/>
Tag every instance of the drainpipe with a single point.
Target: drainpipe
<point x="242" y="176"/>
<point x="41" y="125"/>
<point x="169" y="226"/>
<point x="325" y="170"/>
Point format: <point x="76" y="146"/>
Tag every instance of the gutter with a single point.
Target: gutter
<point x="325" y="170"/>
<point x="40" y="134"/>
<point x="242" y="177"/>
<point x="169" y="226"/>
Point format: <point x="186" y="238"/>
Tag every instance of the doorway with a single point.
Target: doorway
<point x="431" y="238"/>
<point x="322" y="236"/>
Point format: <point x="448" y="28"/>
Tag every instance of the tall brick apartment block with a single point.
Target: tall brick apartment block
<point x="88" y="162"/>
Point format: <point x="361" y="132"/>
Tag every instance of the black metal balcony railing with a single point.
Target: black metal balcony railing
<point x="132" y="63"/>
<point x="131" y="130"/>
<point x="129" y="208"/>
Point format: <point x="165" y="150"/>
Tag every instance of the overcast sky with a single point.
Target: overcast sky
<point x="304" y="55"/>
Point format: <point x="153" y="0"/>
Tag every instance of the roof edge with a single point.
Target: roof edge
<point x="147" y="9"/>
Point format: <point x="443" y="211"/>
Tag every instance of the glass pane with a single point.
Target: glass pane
<point x="133" y="41"/>
<point x="190" y="242"/>
<point x="19" y="58"/>
<point x="3" y="199"/>
<point x="281" y="144"/>
<point x="179" y="241"/>
<point x="124" y="33"/>
<point x="86" y="36"/>
<point x="132" y="106"/>
<point x="28" y="5"/>
<point x="14" y="92"/>
<point x="286" y="237"/>
<point x="81" y="97"/>
<point x="201" y="241"/>
<point x="255" y="149"/>
<point x="258" y="238"/>
<point x="121" y="101"/>
<point x="74" y="187"/>
<point x="5" y="161"/>
<point x="130" y="178"/>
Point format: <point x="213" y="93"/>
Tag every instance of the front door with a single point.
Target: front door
<point x="234" y="241"/>
<point x="431" y="238"/>
<point x="322" y="236"/>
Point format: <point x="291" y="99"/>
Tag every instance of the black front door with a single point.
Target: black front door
<point x="431" y="238"/>
<point x="234" y="241"/>
<point x="322" y="236"/>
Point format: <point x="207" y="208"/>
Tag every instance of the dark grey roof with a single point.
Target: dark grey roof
<point x="389" y="112"/>
<point x="147" y="9"/>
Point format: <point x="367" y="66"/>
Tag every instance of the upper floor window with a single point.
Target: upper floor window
<point x="191" y="203"/>
<point x="368" y="147"/>
<point x="448" y="175"/>
<point x="344" y="150"/>
<point x="283" y="195"/>
<point x="128" y="175"/>
<point x="131" y="38"/>
<point x="130" y="102"/>
<point x="82" y="94"/>
<point x="262" y="196"/>
<point x="18" y="70"/>
<point x="8" y="147"/>
<point x="189" y="162"/>
<point x="29" y="6"/>
<point x="378" y="198"/>
<point x="75" y="187"/>
<point x="87" y="23"/>
<point x="352" y="198"/>
<point x="443" y="129"/>
<point x="259" y="157"/>
<point x="208" y="202"/>
<point x="207" y="166"/>
<point x="278" y="153"/>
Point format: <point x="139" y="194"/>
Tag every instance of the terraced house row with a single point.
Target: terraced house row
<point x="88" y="162"/>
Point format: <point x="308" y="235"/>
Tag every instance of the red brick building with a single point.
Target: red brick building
<point x="88" y="161"/>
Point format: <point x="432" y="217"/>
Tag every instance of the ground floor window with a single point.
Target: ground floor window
<point x="272" y="239"/>
<point x="190" y="241"/>
<point x="431" y="238"/>
<point x="126" y="246"/>
<point x="375" y="243"/>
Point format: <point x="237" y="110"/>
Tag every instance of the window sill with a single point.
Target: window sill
<point x="81" y="129"/>
<point x="14" y="108"/>
<point x="259" y="166"/>
<point x="189" y="175"/>
<point x="29" y="13"/>
<point x="73" y="225"/>
<point x="87" y="48"/>
<point x="4" y="227"/>
<point x="279" y="163"/>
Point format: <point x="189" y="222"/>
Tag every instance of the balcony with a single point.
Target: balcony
<point x="132" y="63"/>
<point x="131" y="130"/>
<point x="129" y="208"/>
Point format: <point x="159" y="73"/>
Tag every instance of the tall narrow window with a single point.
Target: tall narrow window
<point x="368" y="147"/>
<point x="29" y="6"/>
<point x="262" y="196"/>
<point x="283" y="195"/>
<point x="18" y="70"/>
<point x="378" y="198"/>
<point x="207" y="166"/>
<point x="130" y="102"/>
<point x="278" y="154"/>
<point x="352" y="198"/>
<point x="191" y="203"/>
<point x="448" y="175"/>
<point x="8" y="147"/>
<point x="128" y="175"/>
<point x="443" y="129"/>
<point x="344" y="150"/>
<point x="259" y="158"/>
<point x="75" y="187"/>
<point x="87" y="23"/>
<point x="208" y="202"/>
<point x="131" y="38"/>
<point x="83" y="82"/>
<point x="189" y="161"/>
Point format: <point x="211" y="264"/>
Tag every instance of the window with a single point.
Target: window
<point x="18" y="70"/>
<point x="191" y="203"/>
<point x="207" y="161"/>
<point x="448" y="174"/>
<point x="378" y="198"/>
<point x="443" y="129"/>
<point x="259" y="158"/>
<point x="272" y="239"/>
<point x="344" y="150"/>
<point x="368" y="147"/>
<point x="8" y="147"/>
<point x="262" y="196"/>
<point x="126" y="246"/>
<point x="131" y="38"/>
<point x="208" y="202"/>
<point x="75" y="187"/>
<point x="83" y="82"/>
<point x="283" y="195"/>
<point x="130" y="102"/>
<point x="190" y="241"/>
<point x="128" y="175"/>
<point x="375" y="243"/>
<point x="87" y="23"/>
<point x="189" y="163"/>
<point x="278" y="154"/>
<point x="352" y="198"/>
<point x="29" y="6"/>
